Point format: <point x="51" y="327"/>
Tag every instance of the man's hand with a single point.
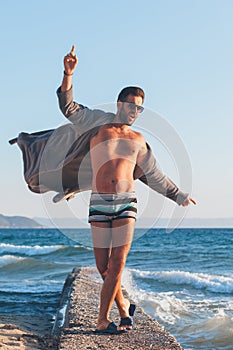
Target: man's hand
<point x="70" y="62"/>
<point x="188" y="201"/>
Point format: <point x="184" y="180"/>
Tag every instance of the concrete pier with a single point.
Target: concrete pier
<point x="77" y="316"/>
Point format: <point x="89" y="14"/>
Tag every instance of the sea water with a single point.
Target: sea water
<point x="182" y="279"/>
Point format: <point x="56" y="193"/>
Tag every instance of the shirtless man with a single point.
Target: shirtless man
<point x="115" y="150"/>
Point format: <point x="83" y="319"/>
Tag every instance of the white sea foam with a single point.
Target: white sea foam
<point x="199" y="322"/>
<point x="212" y="283"/>
<point x="163" y="306"/>
<point x="28" y="250"/>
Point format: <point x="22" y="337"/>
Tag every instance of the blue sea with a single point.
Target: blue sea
<point x="183" y="279"/>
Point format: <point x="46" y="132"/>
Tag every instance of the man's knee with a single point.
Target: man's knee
<point x="103" y="271"/>
<point x="116" y="265"/>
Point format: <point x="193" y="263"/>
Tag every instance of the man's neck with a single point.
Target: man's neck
<point x="119" y="124"/>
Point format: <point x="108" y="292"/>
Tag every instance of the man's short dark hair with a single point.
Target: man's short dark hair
<point x="130" y="90"/>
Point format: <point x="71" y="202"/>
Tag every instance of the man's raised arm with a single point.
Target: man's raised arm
<point x="70" y="63"/>
<point x="65" y="91"/>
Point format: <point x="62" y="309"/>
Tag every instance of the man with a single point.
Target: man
<point x="115" y="150"/>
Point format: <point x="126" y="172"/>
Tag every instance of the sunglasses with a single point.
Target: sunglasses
<point x="132" y="106"/>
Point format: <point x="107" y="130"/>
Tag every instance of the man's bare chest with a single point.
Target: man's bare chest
<point x="116" y="145"/>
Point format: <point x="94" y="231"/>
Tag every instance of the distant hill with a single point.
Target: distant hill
<point x="17" y="222"/>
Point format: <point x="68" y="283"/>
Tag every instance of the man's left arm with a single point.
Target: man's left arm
<point x="148" y="172"/>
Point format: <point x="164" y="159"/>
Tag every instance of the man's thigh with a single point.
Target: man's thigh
<point x="102" y="248"/>
<point x="122" y="236"/>
<point x="122" y="232"/>
<point x="101" y="235"/>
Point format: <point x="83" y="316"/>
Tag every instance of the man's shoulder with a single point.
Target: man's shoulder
<point x="139" y="136"/>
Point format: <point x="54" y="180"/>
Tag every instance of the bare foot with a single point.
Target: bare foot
<point x="109" y="327"/>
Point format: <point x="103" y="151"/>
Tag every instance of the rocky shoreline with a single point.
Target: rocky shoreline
<point x="76" y="320"/>
<point x="74" y="326"/>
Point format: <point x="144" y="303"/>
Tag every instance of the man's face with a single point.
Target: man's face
<point x="127" y="112"/>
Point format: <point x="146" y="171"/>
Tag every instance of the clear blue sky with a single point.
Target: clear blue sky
<point x="179" y="51"/>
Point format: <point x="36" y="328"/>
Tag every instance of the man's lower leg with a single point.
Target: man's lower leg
<point x="108" y="293"/>
<point x="121" y="302"/>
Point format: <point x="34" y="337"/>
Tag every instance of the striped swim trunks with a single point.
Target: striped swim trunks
<point x="105" y="207"/>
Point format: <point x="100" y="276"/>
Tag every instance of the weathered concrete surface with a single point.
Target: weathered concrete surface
<point x="82" y="291"/>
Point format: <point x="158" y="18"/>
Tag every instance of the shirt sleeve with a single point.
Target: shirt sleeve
<point x="66" y="103"/>
<point x="84" y="117"/>
<point x="148" y="172"/>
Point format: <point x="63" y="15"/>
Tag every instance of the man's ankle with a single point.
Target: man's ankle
<point x="102" y="324"/>
<point x="124" y="309"/>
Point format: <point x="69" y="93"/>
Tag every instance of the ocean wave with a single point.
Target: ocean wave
<point x="34" y="250"/>
<point x="163" y="306"/>
<point x="25" y="286"/>
<point x="212" y="283"/>
<point x="27" y="249"/>
<point x="27" y="266"/>
<point x="198" y="322"/>
<point x="214" y="332"/>
<point x="9" y="259"/>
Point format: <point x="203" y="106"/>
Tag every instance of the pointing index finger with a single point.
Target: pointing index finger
<point x="72" y="50"/>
